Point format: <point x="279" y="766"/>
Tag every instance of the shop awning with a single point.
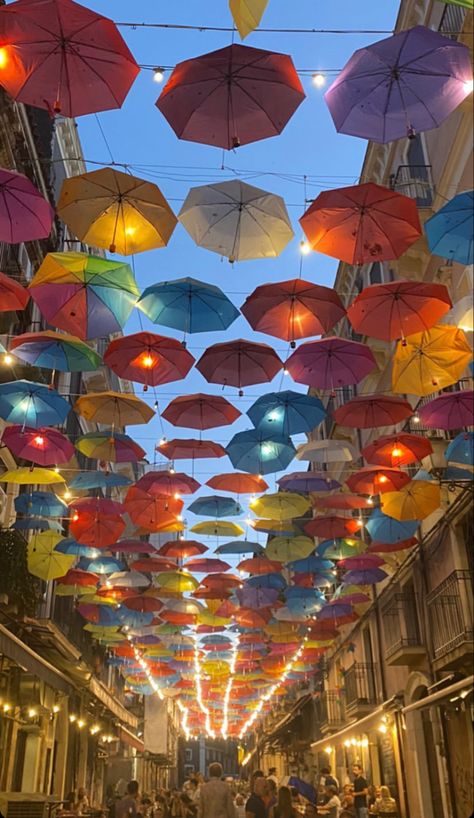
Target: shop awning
<point x="24" y="656"/>
<point x="354" y="727"/>
<point x="440" y="695"/>
<point x="132" y="740"/>
<point x="100" y="691"/>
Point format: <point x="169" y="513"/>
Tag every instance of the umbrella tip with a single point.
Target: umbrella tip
<point x="235" y="142"/>
<point x="112" y="248"/>
<point x="57" y="107"/>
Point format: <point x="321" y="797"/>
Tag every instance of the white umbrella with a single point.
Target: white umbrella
<point x="237" y="220"/>
<point x="327" y="451"/>
<point x="461" y="315"/>
<point x="127" y="579"/>
<point x="186" y="606"/>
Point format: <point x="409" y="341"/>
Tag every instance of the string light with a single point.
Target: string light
<point x="158" y="74"/>
<point x="228" y="690"/>
<point x="305" y="248"/>
<point x="7" y="359"/>
<point x="197" y="682"/>
<point x="319" y="80"/>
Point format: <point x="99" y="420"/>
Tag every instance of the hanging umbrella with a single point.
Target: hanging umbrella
<point x="342" y="500"/>
<point x="205" y="565"/>
<point x="236" y="220"/>
<point x="307" y="481"/>
<point x="371" y="480"/>
<point x="367" y="576"/>
<point x="247" y="14"/>
<point x="134" y="547"/>
<point x="101" y="615"/>
<point x="330" y="362"/>
<point x="287" y="413"/>
<point x="151" y="512"/>
<point x="310" y="565"/>
<point x="430" y="360"/>
<point x="363" y="223"/>
<point x="260" y="452"/>
<point x="327" y="451"/>
<point x="339" y="549"/>
<point x="167" y="482"/>
<point x="116" y="211"/>
<point x="215" y="506"/>
<point x="188" y="305"/>
<point x="86" y="295"/>
<point x="450" y="231"/>
<point x="359" y="562"/>
<point x="76" y="583"/>
<point x="42" y="503"/>
<point x="152" y="565"/>
<point x="406" y="83"/>
<point x="87" y="480"/>
<point x="240" y="547"/>
<point x="53" y="350"/>
<point x="35" y="523"/>
<point x="144" y="357"/>
<point x="371" y="411"/>
<point x="101" y="565"/>
<point x="388" y="548"/>
<point x="267" y="581"/>
<point x="453" y="410"/>
<point x="397" y="450"/>
<point x="231" y="97"/>
<point x="127" y="579"/>
<point x="43" y="561"/>
<point x="388" y="530"/>
<point x="200" y="411"/>
<point x="113" y="408"/>
<point x="238" y="483"/>
<point x="285" y="549"/>
<point x="32" y="404"/>
<point x="461" y="315"/>
<point x="218" y="528"/>
<point x="259" y="565"/>
<point x="28" y="476"/>
<point x="73" y="548"/>
<point x="283" y="505"/>
<point x="182" y="549"/>
<point x="415" y="501"/>
<point x="332" y="526"/>
<point x="178" y="581"/>
<point x="24" y="215"/>
<point x="461" y="449"/>
<point x="46" y="447"/>
<point x="285" y="528"/>
<point x="239" y="363"/>
<point x="112" y="447"/>
<point x="64" y="57"/>
<point x="189" y="449"/>
<point x="13" y="296"/>
<point x="96" y="530"/>
<point x="293" y="309"/>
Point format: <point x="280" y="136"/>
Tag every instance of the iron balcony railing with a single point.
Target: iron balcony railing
<point x="360" y="684"/>
<point x="332" y="709"/>
<point x="400" y="622"/>
<point x="414" y="181"/>
<point x="450" y="608"/>
<point x="452" y="21"/>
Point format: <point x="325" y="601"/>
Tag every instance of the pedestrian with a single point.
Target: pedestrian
<point x="385" y="804"/>
<point x="216" y="796"/>
<point x="332" y="807"/>
<point x="328" y="779"/>
<point x="272" y="776"/>
<point x="361" y="791"/>
<point x="284" y="805"/>
<point x="272" y="795"/>
<point x="256" y="774"/>
<point x="256" y="806"/>
<point x="127" y="807"/>
<point x="239" y="804"/>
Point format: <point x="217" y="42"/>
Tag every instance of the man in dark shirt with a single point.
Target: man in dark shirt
<point x="361" y="790"/>
<point x="256" y="806"/>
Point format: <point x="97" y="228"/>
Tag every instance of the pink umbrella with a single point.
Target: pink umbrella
<point x="361" y="562"/>
<point x="332" y="527"/>
<point x="97" y="505"/>
<point x="239" y="363"/>
<point x="46" y="447"/>
<point x="330" y="362"/>
<point x="25" y="214"/>
<point x="134" y="547"/>
<point x="206" y="565"/>
<point x="451" y="410"/>
<point x="167" y="482"/>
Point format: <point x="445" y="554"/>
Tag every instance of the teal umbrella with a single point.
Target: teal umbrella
<point x="188" y="305"/>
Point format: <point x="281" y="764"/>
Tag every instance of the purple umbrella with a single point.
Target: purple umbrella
<point x="306" y="481"/>
<point x="335" y="610"/>
<point x="330" y="362"/>
<point x="362" y="562"/>
<point x="451" y="410"/>
<point x="368" y="576"/>
<point x="406" y="83"/>
<point x="256" y="597"/>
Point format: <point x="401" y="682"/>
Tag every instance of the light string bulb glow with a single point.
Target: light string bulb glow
<point x="146" y="668"/>
<point x="228" y="690"/>
<point x="197" y="682"/>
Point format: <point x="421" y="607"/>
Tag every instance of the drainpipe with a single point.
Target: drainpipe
<point x="379" y="643"/>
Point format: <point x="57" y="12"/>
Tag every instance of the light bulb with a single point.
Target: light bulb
<point x="396" y="452"/>
<point x="6" y="707"/>
<point x="80" y="723"/>
<point x="67" y="494"/>
<point x="72" y="718"/>
<point x="32" y="713"/>
<point x="158" y="74"/>
<point x="319" y="80"/>
<point x="383" y="478"/>
<point x="148" y="362"/>
<point x="416" y="418"/>
<point x="38" y="440"/>
<point x="7" y="359"/>
<point x="56" y="708"/>
<point x="3" y="57"/>
<point x="468" y="85"/>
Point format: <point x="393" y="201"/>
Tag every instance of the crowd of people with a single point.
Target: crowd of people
<point x="263" y="796"/>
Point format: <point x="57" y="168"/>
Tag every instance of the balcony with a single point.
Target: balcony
<point x="450" y="610"/>
<point x="360" y="689"/>
<point x="403" y="641"/>
<point x="331" y="711"/>
<point x="414" y="181"/>
<point x="452" y="21"/>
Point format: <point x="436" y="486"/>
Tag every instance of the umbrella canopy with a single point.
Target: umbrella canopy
<point x="167" y="482"/>
<point x="363" y="223"/>
<point x="327" y="451"/>
<point x="64" y="57"/>
<point x="398" y="308"/>
<point x="280" y="506"/>
<point x="218" y="528"/>
<point x="287" y="413"/>
<point x="307" y="481"/>
<point x="43" y="560"/>
<point x="73" y="548"/>
<point x="13" y="296"/>
<point x="206" y="565"/>
<point x="147" y="358"/>
<point x="388" y="530"/>
<point x="371" y="480"/>
<point x="240" y="547"/>
<point x="180" y="581"/>
<point x="112" y="447"/>
<point x="397" y="450"/>
<point x="339" y="549"/>
<point x="239" y="363"/>
<point x="215" y="506"/>
<point x="342" y="500"/>
<point x="151" y="512"/>
<point x="86" y="295"/>
<point x="365" y="576"/>
<point x="330" y="362"/>
<point x="285" y="549"/>
<point x="32" y="404"/>
<point x="285" y="528"/>
<point x="182" y="549"/>
<point x="95" y="529"/>
<point x="461" y="315"/>
<point x="42" y="503"/>
<point x="450" y="231"/>
<point x="232" y="96"/>
<point x="28" y="476"/>
<point x="461" y="449"/>
<point x="453" y="410"/>
<point x="259" y="565"/>
<point x="415" y="501"/>
<point x="293" y="309"/>
<point x="247" y="14"/>
<point x="200" y="411"/>
<point x="188" y="305"/>
<point x="53" y="350"/>
<point x="332" y="526"/>
<point x="46" y="447"/>
<point x="87" y="480"/>
<point x="237" y="220"/>
<point x="190" y="449"/>
<point x="113" y="408"/>
<point x="100" y="565"/>
<point x="238" y="483"/>
<point x="430" y="360"/>
<point x="24" y="214"/>
<point x="116" y="211"/>
<point x="372" y="411"/>
<point x="406" y="83"/>
<point x="260" y="452"/>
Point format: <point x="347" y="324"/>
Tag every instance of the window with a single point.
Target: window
<point x="188" y="755"/>
<point x="376" y="273"/>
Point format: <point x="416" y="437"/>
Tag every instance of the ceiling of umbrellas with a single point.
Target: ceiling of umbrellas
<point x="176" y="620"/>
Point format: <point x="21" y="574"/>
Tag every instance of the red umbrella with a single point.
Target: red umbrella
<point x="259" y="565"/>
<point x="152" y="512"/>
<point x="97" y="505"/>
<point x="239" y="363"/>
<point x="293" y="309"/>
<point x="181" y="449"/>
<point x="238" y="483"/>
<point x="377" y="480"/>
<point x="96" y="530"/>
<point x="167" y="482"/>
<point x="226" y="581"/>
<point x="330" y="362"/>
<point x="46" y="447"/>
<point x="397" y="450"/>
<point x="200" y="411"/>
<point x="177" y="618"/>
<point x="249" y="618"/>
<point x="25" y="214"/>
<point x="182" y="549"/>
<point x="143" y="604"/>
<point x="64" y="57"/>
<point x="232" y="96"/>
<point x="210" y="593"/>
<point x="83" y="579"/>
<point x="148" y="358"/>
<point x="134" y="547"/>
<point x="332" y="527"/>
<point x="388" y="548"/>
<point x="364" y="223"/>
<point x="398" y="308"/>
<point x="152" y="565"/>
<point x="342" y="500"/>
<point x="370" y="411"/>
<point x="12" y="295"/>
<point x="206" y="566"/>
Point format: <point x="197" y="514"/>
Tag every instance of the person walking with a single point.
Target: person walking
<point x="284" y="806"/>
<point x="361" y="791"/>
<point x="216" y="797"/>
<point x="127" y="806"/>
<point x="256" y="806"/>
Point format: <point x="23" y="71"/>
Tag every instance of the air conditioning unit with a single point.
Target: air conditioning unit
<point x="21" y="805"/>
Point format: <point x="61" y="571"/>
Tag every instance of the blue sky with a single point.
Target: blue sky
<point x="139" y="135"/>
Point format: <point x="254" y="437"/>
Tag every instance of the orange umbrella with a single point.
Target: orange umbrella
<point x="397" y="450"/>
<point x="238" y="483"/>
<point x="153" y="512"/>
<point x="148" y="358"/>
<point x="259" y="565"/>
<point x="371" y="480"/>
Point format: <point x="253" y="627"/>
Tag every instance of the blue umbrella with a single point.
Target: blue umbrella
<point x="42" y="503"/>
<point x="240" y="547"/>
<point x="388" y="530"/>
<point x="298" y="592"/>
<point x="215" y="506"/>
<point x="461" y="449"/>
<point x="304" y="605"/>
<point x="260" y="452"/>
<point x="101" y="565"/>
<point x="76" y="549"/>
<point x="188" y="305"/>
<point x="310" y="565"/>
<point x="104" y="615"/>
<point x="457" y="474"/>
<point x="36" y="523"/>
<point x="450" y="231"/>
<point x="134" y="619"/>
<point x="266" y="581"/>
<point x="306" y="481"/>
<point x="32" y="404"/>
<point x="98" y="480"/>
<point x="216" y="639"/>
<point x="286" y="413"/>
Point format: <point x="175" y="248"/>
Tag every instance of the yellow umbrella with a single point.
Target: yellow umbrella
<point x="274" y="525"/>
<point x="26" y="476"/>
<point x="282" y="505"/>
<point x="215" y="668"/>
<point x="75" y="590"/>
<point x="430" y="360"/>
<point x="177" y="581"/>
<point x="284" y="549"/>
<point x="113" y="408"/>
<point x="43" y="561"/>
<point x="214" y="604"/>
<point x="96" y="599"/>
<point x="219" y="528"/>
<point x="105" y="630"/>
<point x="247" y="14"/>
<point x="213" y="621"/>
<point x="415" y="501"/>
<point x="118" y="212"/>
